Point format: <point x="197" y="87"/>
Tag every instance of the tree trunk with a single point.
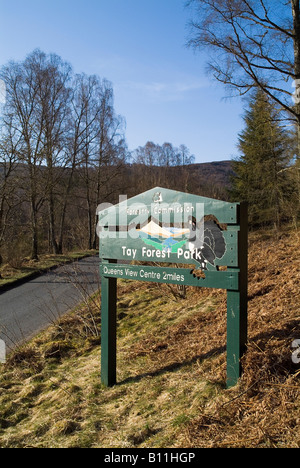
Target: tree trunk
<point x="34" y="229"/>
<point x="296" y="31"/>
<point x="53" y="243"/>
<point x="64" y="210"/>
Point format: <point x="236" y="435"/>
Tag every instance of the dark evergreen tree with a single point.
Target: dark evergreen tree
<point x="260" y="176"/>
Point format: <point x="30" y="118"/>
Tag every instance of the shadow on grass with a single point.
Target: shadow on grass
<point x="176" y="366"/>
<point x="288" y="334"/>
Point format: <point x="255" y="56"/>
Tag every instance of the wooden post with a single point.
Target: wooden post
<point x="230" y="250"/>
<point x="108" y="330"/>
<point x="237" y="306"/>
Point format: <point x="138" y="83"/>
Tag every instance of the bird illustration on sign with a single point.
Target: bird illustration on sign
<point x="205" y="242"/>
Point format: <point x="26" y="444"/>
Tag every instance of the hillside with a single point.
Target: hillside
<point x="218" y="172"/>
<point x="171" y="368"/>
<point x="211" y="179"/>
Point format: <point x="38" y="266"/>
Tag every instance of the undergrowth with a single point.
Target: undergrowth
<point x="171" y="369"/>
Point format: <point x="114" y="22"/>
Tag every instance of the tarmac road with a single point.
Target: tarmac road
<point x="27" y="309"/>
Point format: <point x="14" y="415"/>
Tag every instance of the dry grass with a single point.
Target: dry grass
<point x="171" y="369"/>
<point x="24" y="268"/>
<point x="264" y="410"/>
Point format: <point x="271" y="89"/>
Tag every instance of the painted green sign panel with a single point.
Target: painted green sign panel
<point x="179" y="276"/>
<point x="167" y="227"/>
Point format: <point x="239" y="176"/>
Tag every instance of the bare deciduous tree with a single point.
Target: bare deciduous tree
<point x="254" y="43"/>
<point x="36" y="109"/>
<point x="53" y="76"/>
<point x="19" y="117"/>
<point x="8" y="180"/>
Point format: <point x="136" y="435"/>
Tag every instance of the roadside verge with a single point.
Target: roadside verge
<point x="23" y="275"/>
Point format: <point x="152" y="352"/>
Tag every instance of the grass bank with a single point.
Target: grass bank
<point x="171" y="368"/>
<point x="25" y="269"/>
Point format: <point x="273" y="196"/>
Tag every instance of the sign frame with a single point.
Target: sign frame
<point x="123" y="239"/>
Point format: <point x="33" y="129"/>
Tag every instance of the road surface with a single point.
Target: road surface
<point x="31" y="307"/>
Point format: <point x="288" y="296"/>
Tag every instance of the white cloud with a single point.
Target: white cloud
<point x="163" y="91"/>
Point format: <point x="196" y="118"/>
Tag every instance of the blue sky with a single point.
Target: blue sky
<point x="160" y="85"/>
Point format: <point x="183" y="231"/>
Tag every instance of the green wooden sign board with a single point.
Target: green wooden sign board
<point x="166" y="227"/>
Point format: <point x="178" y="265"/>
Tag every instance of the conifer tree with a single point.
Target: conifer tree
<point x="260" y="176"/>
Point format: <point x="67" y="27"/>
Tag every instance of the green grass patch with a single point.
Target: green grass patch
<point x="171" y="369"/>
<point x="51" y="394"/>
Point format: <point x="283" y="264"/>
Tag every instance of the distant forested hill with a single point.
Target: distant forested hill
<point x="210" y="179"/>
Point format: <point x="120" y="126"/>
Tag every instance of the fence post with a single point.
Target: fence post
<point x="237" y="306"/>
<point x="108" y="329"/>
<point x="2" y="352"/>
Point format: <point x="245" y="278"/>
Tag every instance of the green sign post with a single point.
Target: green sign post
<point x="169" y="227"/>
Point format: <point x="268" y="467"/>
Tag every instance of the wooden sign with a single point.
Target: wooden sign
<point x="169" y="227"/>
